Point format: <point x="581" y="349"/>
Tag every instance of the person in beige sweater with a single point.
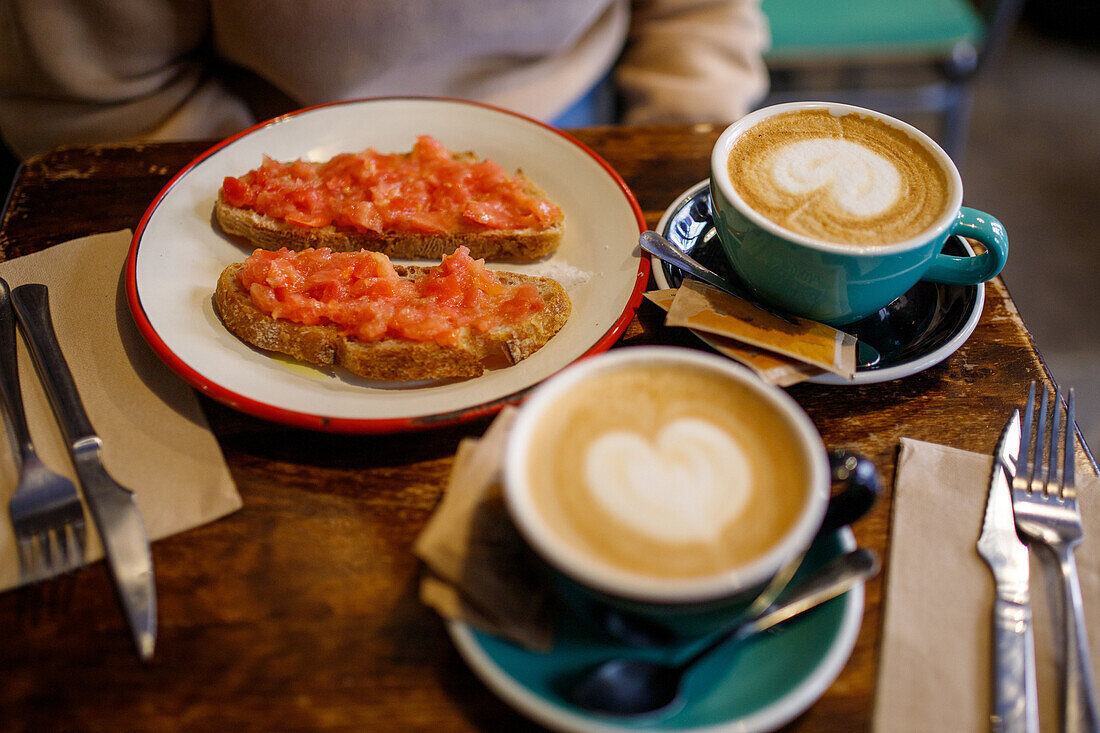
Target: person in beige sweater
<point x="86" y="71"/>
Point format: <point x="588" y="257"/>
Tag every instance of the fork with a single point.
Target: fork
<point x="1044" y="501"/>
<point x="45" y="509"/>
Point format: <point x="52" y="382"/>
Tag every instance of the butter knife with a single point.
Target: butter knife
<point x="116" y="515"/>
<point x="1015" y="706"/>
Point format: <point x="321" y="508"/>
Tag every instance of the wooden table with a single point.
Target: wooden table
<point x="300" y="611"/>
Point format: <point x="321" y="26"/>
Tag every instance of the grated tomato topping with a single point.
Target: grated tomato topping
<point x="425" y="191"/>
<point x="362" y="294"/>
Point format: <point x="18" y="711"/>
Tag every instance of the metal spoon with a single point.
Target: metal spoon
<point x="661" y="248"/>
<point x="635" y="687"/>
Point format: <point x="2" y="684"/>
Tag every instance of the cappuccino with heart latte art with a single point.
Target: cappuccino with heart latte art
<point x="846" y="179"/>
<point x="666" y="470"/>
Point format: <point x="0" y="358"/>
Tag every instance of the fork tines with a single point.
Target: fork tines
<point x="1055" y="480"/>
<point x="50" y="552"/>
<point x="48" y="520"/>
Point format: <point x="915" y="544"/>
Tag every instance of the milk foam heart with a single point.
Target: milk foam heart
<point x="849" y="179"/>
<point x="685" y="486"/>
<point x="862" y="181"/>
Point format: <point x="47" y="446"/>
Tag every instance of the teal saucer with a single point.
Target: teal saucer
<point x="757" y="685"/>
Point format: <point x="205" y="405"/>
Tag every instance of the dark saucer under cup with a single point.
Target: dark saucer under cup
<point x="914" y="332"/>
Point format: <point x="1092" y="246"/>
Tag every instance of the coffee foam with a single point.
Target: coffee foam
<point x="684" y="486"/>
<point x="666" y="471"/>
<point x="863" y="182"/>
<point x="849" y="180"/>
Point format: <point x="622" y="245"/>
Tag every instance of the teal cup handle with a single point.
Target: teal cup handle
<point x="980" y="226"/>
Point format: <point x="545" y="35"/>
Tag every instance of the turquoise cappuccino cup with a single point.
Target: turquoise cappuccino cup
<point x="839" y="489"/>
<point x="842" y="283"/>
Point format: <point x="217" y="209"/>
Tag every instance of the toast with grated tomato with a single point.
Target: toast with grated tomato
<point x="467" y="354"/>
<point x="421" y="204"/>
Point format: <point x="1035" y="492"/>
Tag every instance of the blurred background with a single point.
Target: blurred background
<point x="1033" y="160"/>
<point x="1013" y="93"/>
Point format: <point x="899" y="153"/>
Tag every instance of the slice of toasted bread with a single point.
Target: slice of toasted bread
<point x="394" y="359"/>
<point x="506" y="245"/>
<point x="516" y="245"/>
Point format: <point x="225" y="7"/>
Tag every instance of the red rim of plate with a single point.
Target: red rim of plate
<point x="361" y="425"/>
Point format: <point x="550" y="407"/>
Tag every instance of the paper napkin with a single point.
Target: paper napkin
<point x="935" y="668"/>
<point x="156" y="441"/>
<point x="478" y="567"/>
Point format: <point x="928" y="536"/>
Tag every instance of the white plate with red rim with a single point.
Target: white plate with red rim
<point x="178" y="252"/>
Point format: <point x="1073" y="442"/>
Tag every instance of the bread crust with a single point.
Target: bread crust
<point x="393" y="359"/>
<point x="514" y="245"/>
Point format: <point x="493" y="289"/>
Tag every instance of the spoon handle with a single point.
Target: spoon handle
<point x="663" y="249"/>
<point x="834" y="578"/>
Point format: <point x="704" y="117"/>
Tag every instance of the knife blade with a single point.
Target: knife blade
<point x="117" y="518"/>
<point x="1015" y="706"/>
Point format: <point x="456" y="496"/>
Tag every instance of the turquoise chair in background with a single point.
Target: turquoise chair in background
<point x="900" y="57"/>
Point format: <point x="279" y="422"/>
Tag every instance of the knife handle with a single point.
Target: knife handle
<point x="1014" y="692"/>
<point x="32" y="306"/>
